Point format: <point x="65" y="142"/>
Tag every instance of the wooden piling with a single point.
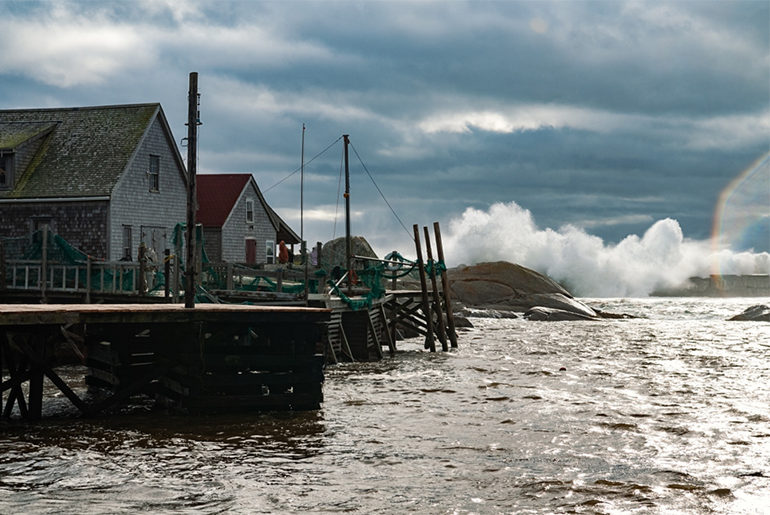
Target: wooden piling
<point x="436" y="299"/>
<point x="430" y="343"/>
<point x="445" y="283"/>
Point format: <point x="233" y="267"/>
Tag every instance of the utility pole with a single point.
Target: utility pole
<point x="192" y="196"/>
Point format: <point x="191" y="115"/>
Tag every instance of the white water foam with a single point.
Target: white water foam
<point x="588" y="266"/>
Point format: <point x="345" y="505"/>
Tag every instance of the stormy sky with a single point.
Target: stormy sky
<point x="604" y="118"/>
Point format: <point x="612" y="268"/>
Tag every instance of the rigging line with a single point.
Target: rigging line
<point x="380" y="191"/>
<point x="300" y="168"/>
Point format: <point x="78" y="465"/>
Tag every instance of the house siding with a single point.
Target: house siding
<point x="134" y="205"/>
<point x="212" y="240"/>
<point x="82" y="224"/>
<point x="236" y="230"/>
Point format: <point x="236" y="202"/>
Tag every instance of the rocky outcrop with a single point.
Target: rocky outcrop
<point x="758" y="313"/>
<point x="507" y="286"/>
<point x="553" y="315"/>
<point x="333" y="252"/>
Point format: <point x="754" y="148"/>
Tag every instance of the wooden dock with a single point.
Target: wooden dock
<point x="214" y="357"/>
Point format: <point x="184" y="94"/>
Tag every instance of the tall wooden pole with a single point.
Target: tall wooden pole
<point x="303" y="245"/>
<point x="192" y="196"/>
<point x="450" y="318"/>
<point x="436" y="299"/>
<point x="348" y="251"/>
<point x="430" y="342"/>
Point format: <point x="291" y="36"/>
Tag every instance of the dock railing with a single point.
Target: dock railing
<point x="91" y="276"/>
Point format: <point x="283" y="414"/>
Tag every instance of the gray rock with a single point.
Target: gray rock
<point x="539" y="313"/>
<point x="758" y="313"/>
<point x="505" y="286"/>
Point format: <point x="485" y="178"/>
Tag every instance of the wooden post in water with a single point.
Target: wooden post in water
<point x="445" y="283"/>
<point x="192" y="196"/>
<point x="430" y="342"/>
<point x="436" y="299"/>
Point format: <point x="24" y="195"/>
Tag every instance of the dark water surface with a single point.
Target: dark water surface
<point x="664" y="415"/>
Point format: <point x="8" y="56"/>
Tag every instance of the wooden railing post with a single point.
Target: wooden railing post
<point x="44" y="266"/>
<point x="142" y="258"/>
<point x="167" y="275"/>
<point x="88" y="279"/>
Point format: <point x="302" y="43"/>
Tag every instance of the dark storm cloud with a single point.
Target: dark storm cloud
<point x="604" y="115"/>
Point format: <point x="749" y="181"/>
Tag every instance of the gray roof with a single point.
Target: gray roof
<point x="84" y="152"/>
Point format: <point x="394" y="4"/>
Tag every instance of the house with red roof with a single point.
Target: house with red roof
<point x="238" y="224"/>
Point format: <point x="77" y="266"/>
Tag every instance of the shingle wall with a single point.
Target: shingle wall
<point x="135" y="205"/>
<point x="236" y="230"/>
<point x="82" y="224"/>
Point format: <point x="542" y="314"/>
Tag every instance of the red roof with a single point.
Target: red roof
<point x="217" y="195"/>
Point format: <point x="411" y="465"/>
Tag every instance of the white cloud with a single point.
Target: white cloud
<point x="65" y="49"/>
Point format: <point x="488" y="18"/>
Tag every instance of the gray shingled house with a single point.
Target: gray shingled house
<point x="103" y="178"/>
<point x="238" y="224"/>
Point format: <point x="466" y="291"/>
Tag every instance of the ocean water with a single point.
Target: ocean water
<point x="666" y="414"/>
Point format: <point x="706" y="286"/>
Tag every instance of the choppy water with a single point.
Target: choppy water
<point x="664" y="415"/>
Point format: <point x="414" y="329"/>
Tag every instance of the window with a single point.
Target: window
<point x="6" y="177"/>
<point x="126" y="243"/>
<point x="249" y="210"/>
<point x="270" y="252"/>
<point x="154" y="173"/>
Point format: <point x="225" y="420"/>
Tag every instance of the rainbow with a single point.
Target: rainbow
<point x="743" y="209"/>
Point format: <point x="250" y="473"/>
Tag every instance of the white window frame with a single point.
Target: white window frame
<point x="127" y="241"/>
<point x="250" y="210"/>
<point x="154" y="173"/>
<point x="270" y="252"/>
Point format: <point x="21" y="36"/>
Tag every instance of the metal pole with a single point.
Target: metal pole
<point x="348" y="251"/>
<point x="192" y="197"/>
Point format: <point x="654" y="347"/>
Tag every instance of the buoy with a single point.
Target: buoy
<point x="563" y="369"/>
<point x="393" y="266"/>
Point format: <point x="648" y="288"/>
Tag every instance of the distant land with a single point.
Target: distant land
<point x="720" y="286"/>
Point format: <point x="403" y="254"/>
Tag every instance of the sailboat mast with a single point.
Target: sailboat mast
<point x="348" y="251"/>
